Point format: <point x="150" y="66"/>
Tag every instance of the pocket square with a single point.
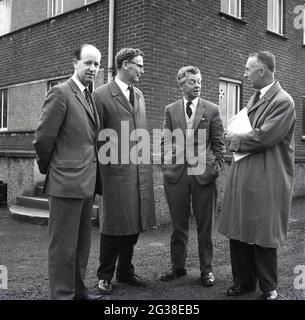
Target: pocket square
<point x="202" y="119"/>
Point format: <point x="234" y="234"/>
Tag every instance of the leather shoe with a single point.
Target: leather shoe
<point x="105" y="286"/>
<point x="132" y="280"/>
<point x="208" y="279"/>
<point x="236" y="290"/>
<point x="174" y="274"/>
<point x="89" y="297"/>
<point x="270" y="295"/>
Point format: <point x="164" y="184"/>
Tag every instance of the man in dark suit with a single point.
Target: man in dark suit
<point x="128" y="201"/>
<point x="257" y="200"/>
<point x="66" y="146"/>
<point x="191" y="179"/>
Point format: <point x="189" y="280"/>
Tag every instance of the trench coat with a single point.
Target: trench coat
<point x="128" y="193"/>
<point x="257" y="199"/>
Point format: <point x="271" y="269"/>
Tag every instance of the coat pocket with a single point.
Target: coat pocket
<point x="69" y="164"/>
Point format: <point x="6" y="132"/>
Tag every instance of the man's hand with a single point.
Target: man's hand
<point x="232" y="141"/>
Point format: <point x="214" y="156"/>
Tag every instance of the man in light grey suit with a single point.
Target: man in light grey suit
<point x="201" y="128"/>
<point x="66" y="146"/>
<point x="128" y="201"/>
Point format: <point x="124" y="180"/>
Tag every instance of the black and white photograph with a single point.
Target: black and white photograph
<point x="152" y="153"/>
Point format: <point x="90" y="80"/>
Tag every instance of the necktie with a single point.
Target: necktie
<point x="87" y="96"/>
<point x="188" y="109"/>
<point x="131" y="95"/>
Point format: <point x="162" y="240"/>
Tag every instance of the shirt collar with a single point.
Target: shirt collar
<point x="123" y="86"/>
<point x="264" y="90"/>
<point x="194" y="101"/>
<point x="79" y="84"/>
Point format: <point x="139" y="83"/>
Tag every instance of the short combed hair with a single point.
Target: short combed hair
<point x="126" y="54"/>
<point x="78" y="51"/>
<point x="266" y="58"/>
<point x="182" y="73"/>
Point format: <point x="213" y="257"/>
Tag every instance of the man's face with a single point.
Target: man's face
<point x="254" y="72"/>
<point x="134" y="69"/>
<point x="87" y="67"/>
<point x="191" y="87"/>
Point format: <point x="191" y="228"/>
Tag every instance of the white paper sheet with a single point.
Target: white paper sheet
<point x="240" y="123"/>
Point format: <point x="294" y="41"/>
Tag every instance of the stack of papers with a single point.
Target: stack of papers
<point x="240" y="123"/>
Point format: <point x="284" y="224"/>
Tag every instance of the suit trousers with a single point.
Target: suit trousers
<point x="113" y="248"/>
<point x="69" y="246"/>
<point x="180" y="197"/>
<point x="251" y="262"/>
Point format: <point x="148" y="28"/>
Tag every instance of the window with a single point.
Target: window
<point x="231" y="7"/>
<point x="5" y="16"/>
<point x="61" y="6"/>
<point x="54" y="82"/>
<point x="275" y="16"/>
<point x="229" y="98"/>
<point x="3" y="109"/>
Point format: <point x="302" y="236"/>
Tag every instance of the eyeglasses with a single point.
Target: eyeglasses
<point x="139" y="65"/>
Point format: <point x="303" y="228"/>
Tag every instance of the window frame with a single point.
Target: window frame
<point x="53" y="11"/>
<point x="7" y="6"/>
<point x="277" y="24"/>
<point x="238" y="3"/>
<point x="3" y="95"/>
<point x="238" y="97"/>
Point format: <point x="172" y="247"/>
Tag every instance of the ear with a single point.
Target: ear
<point x="262" y="71"/>
<point x="124" y="64"/>
<point x="75" y="61"/>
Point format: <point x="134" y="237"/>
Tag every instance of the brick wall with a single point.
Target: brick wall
<point x="46" y="49"/>
<point x="183" y="32"/>
<point x="171" y="34"/>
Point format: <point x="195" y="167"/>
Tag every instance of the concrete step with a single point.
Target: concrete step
<point x="27" y="214"/>
<point x="33" y="202"/>
<point x="40" y="216"/>
<point x="38" y="192"/>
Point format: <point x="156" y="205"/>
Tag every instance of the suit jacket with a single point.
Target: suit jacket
<point x="66" y="143"/>
<point x="128" y="194"/>
<point x="176" y="158"/>
<point x="258" y="195"/>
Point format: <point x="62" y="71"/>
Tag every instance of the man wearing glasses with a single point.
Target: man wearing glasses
<point x="128" y="202"/>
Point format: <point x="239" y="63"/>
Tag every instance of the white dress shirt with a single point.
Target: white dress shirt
<point x="79" y="84"/>
<point x="123" y="86"/>
<point x="264" y="90"/>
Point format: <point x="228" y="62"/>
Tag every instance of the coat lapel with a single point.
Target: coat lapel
<point x="118" y="94"/>
<point x="266" y="98"/>
<point x="181" y="115"/>
<point x="198" y="114"/>
<point x="81" y="98"/>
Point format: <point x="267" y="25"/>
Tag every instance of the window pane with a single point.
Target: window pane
<point x="229" y="100"/>
<point x="224" y="6"/>
<point x="72" y="4"/>
<point x="5" y="16"/>
<point x="275" y="16"/>
<point x="270" y="15"/>
<point x="232" y="100"/>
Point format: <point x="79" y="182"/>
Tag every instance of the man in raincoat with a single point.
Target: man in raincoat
<point x="258" y="194"/>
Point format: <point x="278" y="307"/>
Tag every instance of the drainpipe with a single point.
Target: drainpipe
<point x="110" y="39"/>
